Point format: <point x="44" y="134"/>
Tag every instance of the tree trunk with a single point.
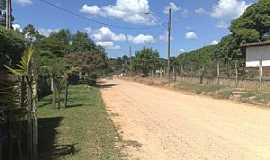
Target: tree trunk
<point x="53" y="91"/>
<point x="58" y="93"/>
<point x="66" y="93"/>
<point x="202" y="75"/>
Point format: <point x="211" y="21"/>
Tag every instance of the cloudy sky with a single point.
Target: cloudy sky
<point x="137" y="23"/>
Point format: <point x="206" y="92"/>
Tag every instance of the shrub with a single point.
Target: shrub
<point x="12" y="46"/>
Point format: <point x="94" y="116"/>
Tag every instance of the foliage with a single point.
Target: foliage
<point x="254" y="23"/>
<point x="31" y="33"/>
<point x="145" y="61"/>
<point x="197" y="58"/>
<point x="23" y="67"/>
<point x="12" y="46"/>
<point x="82" y="43"/>
<point x="88" y="62"/>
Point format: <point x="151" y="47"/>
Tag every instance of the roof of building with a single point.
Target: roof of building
<point x="266" y="43"/>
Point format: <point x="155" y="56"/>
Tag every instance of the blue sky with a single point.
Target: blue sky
<point x="195" y="22"/>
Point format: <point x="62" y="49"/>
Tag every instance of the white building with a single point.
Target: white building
<point x="255" y="52"/>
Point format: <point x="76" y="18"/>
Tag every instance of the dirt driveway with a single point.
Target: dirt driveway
<point x="160" y="124"/>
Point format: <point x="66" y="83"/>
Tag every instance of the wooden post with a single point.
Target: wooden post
<point x="261" y="73"/>
<point x="66" y="92"/>
<point x="174" y="74"/>
<point x="218" y="73"/>
<point x="202" y="74"/>
<point x="182" y="72"/>
<point x="53" y="91"/>
<point x="160" y="72"/>
<point x="169" y="45"/>
<point x="34" y="110"/>
<point x="236" y="73"/>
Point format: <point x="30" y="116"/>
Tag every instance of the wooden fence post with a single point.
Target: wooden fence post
<point x="174" y="74"/>
<point x="261" y="73"/>
<point x="202" y="74"/>
<point x="218" y="73"/>
<point x="236" y="73"/>
<point x="34" y="110"/>
<point x="182" y="72"/>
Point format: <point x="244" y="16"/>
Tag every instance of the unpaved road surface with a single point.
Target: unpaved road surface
<point x="160" y="124"/>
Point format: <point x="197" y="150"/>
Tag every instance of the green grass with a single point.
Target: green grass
<point x="83" y="131"/>
<point x="226" y="92"/>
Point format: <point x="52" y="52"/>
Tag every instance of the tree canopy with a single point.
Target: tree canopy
<point x="252" y="26"/>
<point x="145" y="61"/>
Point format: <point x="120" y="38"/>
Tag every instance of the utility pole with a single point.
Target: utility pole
<point x="130" y="51"/>
<point x="130" y="56"/>
<point x="169" y="45"/>
<point x="8" y="14"/>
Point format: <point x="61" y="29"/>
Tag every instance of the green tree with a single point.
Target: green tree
<point x="254" y="23"/>
<point x="145" y="61"/>
<point x="12" y="46"/>
<point x="82" y="43"/>
<point x="31" y="32"/>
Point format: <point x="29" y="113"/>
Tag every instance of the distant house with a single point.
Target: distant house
<point x="255" y="52"/>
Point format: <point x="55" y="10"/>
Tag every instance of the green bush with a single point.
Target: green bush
<point x="12" y="45"/>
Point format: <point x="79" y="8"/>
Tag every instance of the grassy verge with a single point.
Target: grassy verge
<point x="80" y="132"/>
<point x="226" y="92"/>
<point x="253" y="96"/>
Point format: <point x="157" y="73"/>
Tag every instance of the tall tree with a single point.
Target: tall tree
<point x="146" y="61"/>
<point x="82" y="43"/>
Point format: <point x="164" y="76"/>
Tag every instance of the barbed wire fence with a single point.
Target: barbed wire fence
<point x="232" y="73"/>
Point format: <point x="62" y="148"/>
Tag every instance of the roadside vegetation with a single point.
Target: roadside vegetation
<point x="221" y="91"/>
<point x="81" y="131"/>
<point x="33" y="66"/>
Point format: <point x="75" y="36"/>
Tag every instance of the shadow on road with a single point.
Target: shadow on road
<point x="103" y="84"/>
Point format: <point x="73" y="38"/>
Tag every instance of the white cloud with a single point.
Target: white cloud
<point x="226" y="10"/>
<point x="24" y="2"/>
<point x="191" y="35"/>
<point x="17" y="27"/>
<point x="93" y="10"/>
<point x="200" y="11"/>
<point x="142" y="39"/>
<point x="173" y="6"/>
<point x="109" y="45"/>
<point x="105" y="34"/>
<point x="132" y="11"/>
<point x="106" y="38"/>
<point x="182" y="50"/>
<point x="214" y="42"/>
<point x="47" y="32"/>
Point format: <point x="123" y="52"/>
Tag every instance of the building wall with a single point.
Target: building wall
<point x="255" y="53"/>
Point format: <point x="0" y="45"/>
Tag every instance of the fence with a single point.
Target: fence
<point x="17" y="141"/>
<point x="231" y="73"/>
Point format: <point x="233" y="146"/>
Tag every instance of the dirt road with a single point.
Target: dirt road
<point x="160" y="124"/>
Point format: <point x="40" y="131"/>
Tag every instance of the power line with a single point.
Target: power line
<point x="92" y="20"/>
